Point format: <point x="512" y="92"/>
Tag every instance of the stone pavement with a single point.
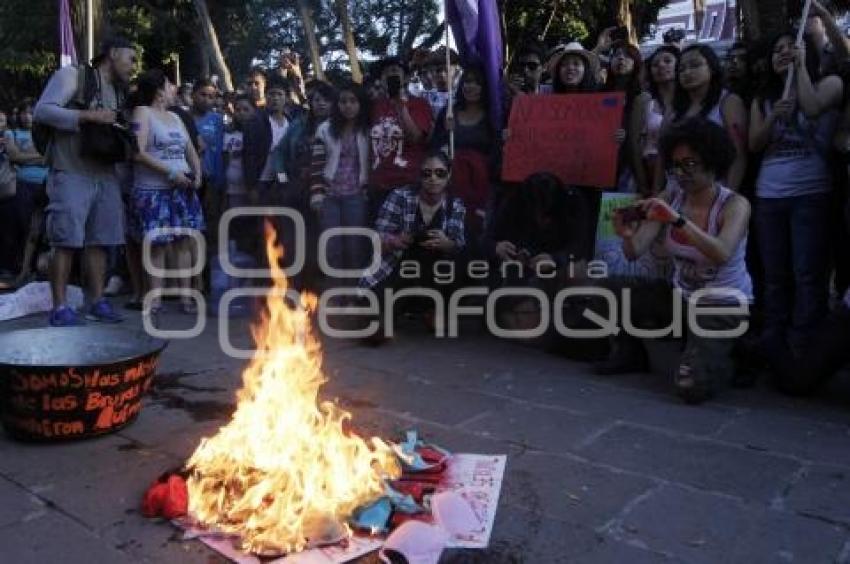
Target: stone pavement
<point x="599" y="469"/>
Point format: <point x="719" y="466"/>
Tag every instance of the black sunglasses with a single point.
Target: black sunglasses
<point x="530" y="65"/>
<point x="440" y="173"/>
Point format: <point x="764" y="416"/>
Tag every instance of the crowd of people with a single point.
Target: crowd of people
<point x="737" y="162"/>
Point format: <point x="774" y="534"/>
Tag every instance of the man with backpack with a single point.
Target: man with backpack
<point x="77" y="119"/>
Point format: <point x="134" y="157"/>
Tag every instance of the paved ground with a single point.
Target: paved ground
<point x="599" y="470"/>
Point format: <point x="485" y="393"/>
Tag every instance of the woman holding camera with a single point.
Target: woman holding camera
<point x="704" y="227"/>
<point x="166" y="178"/>
<point x="419" y="226"/>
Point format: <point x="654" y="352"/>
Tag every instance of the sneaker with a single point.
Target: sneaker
<point x="102" y="311"/>
<point x="113" y="286"/>
<point x="64" y="316"/>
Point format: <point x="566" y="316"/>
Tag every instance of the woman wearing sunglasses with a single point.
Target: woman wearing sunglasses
<point x="419" y="226"/>
<point x="704" y="227"/>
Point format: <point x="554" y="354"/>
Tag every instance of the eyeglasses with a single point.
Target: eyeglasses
<point x="440" y="173"/>
<point x="529" y="65"/>
<point x="685" y="167"/>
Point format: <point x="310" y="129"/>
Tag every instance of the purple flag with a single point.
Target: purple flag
<point x="67" y="51"/>
<point x="477" y="30"/>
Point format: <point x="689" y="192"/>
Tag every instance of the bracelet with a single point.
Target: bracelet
<point x="679" y="222"/>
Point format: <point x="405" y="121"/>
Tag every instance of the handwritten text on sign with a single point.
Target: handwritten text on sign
<point x="75" y="402"/>
<point x="569" y="135"/>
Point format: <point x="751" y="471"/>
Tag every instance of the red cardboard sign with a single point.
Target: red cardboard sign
<point x="569" y="135"/>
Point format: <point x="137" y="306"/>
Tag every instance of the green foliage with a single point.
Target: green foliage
<point x="25" y="57"/>
<point x="254" y="31"/>
<point x="571" y="20"/>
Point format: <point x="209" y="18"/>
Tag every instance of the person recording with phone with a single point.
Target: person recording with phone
<point x="400" y="128"/>
<point x="704" y="226"/>
<point x="526" y="75"/>
<point x="421" y="227"/>
<point x="290" y="69"/>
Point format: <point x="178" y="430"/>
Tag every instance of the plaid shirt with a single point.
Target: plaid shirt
<point x="398" y="215"/>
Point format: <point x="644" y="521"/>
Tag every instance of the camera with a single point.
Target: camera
<point x="631" y="214"/>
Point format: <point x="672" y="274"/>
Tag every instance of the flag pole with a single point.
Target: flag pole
<point x="89" y="31"/>
<point x="450" y="110"/>
<point x="806" y="9"/>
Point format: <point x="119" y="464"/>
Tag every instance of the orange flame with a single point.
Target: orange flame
<point x="284" y="474"/>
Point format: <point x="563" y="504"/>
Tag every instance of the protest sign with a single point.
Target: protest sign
<point x="570" y="135"/>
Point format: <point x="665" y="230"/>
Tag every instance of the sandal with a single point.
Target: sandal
<point x="689" y="388"/>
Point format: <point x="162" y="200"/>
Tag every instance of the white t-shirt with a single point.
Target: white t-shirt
<point x="278" y="131"/>
<point x="235" y="174"/>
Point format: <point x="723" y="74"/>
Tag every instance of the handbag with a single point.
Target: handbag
<point x="107" y="143"/>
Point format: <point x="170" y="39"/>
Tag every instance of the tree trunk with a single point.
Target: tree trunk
<point x="773" y="17"/>
<point x="699" y="17"/>
<point x="350" y="44"/>
<point x="434" y="37"/>
<point x="763" y="19"/>
<point x="213" y="48"/>
<point x="306" y="13"/>
<point x="624" y="18"/>
<point x="749" y="19"/>
<point x="413" y="28"/>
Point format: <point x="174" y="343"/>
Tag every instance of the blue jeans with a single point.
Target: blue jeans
<point x="348" y="252"/>
<point x="793" y="237"/>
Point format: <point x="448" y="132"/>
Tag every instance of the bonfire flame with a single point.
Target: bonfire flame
<point x="284" y="473"/>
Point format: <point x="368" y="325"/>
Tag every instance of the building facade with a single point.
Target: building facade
<point x="718" y="22"/>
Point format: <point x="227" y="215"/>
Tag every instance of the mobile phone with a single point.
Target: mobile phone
<point x="393" y="86"/>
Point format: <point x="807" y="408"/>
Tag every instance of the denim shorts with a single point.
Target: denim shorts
<point x="84" y="211"/>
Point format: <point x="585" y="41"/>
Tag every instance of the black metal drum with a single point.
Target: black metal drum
<point x="73" y="383"/>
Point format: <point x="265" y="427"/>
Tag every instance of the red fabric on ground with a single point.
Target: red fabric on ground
<point x="168" y="498"/>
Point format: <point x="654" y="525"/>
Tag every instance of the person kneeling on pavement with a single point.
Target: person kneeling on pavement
<point x="704" y="228"/>
<point x="537" y="231"/>
<point x="419" y="227"/>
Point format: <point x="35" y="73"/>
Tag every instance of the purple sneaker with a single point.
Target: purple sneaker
<point x="64" y="316"/>
<point x="102" y="311"/>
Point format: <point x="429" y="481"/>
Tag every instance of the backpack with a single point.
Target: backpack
<point x="86" y="92"/>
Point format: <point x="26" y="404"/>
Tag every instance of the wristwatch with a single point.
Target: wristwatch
<point x="679" y="222"/>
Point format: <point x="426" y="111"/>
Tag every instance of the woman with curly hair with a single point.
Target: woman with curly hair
<point x="704" y="227"/>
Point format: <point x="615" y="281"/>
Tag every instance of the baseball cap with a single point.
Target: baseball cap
<point x="109" y="43"/>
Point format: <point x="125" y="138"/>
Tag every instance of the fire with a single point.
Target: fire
<point x="284" y="474"/>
